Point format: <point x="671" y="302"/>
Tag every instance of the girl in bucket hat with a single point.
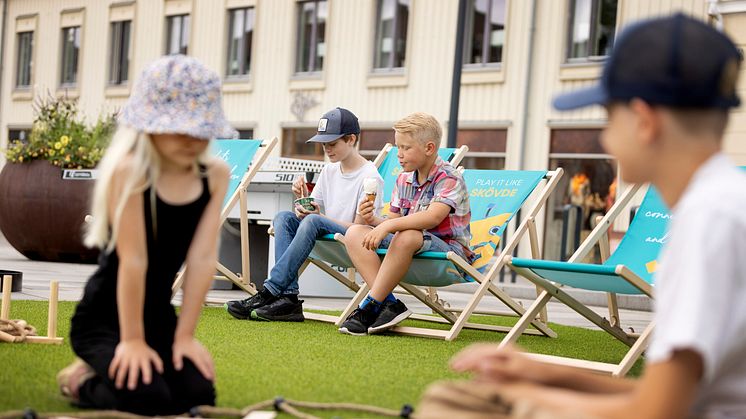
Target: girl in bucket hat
<point x="156" y="205"/>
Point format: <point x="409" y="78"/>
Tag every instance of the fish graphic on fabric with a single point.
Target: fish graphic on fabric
<point x="485" y="237"/>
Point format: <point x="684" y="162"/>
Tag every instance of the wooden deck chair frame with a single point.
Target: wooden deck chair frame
<point x="349" y="279"/>
<point x="241" y="279"/>
<point x="487" y="283"/>
<point x="637" y="343"/>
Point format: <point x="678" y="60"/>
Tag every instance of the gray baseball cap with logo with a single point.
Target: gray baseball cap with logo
<point x="335" y="124"/>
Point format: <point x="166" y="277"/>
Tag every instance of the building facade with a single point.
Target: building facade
<point x="285" y="62"/>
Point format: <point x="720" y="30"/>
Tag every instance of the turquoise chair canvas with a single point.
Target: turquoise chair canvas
<point x="244" y="158"/>
<point x="629" y="270"/>
<point x="495" y="198"/>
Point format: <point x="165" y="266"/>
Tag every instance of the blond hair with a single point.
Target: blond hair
<point x="420" y="126"/>
<point x="144" y="166"/>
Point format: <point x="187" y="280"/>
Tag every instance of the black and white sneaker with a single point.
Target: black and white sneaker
<point x="359" y="321"/>
<point x="284" y="309"/>
<point x="392" y="313"/>
<point x="241" y="309"/>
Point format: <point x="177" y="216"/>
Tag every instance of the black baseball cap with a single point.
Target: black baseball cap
<point x="675" y="61"/>
<point x="335" y="124"/>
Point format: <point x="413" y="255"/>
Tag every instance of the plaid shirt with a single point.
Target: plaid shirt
<point x="445" y="185"/>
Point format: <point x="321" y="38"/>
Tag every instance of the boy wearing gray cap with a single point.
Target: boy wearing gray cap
<point x="333" y="209"/>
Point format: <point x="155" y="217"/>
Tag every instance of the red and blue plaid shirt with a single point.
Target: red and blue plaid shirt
<point x="445" y="185"/>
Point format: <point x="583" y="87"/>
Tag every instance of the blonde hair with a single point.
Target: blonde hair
<point x="421" y="127"/>
<point x="144" y="168"/>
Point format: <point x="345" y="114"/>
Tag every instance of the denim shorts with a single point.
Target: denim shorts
<point x="430" y="243"/>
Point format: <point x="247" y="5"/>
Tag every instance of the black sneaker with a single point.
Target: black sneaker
<point x="359" y="321"/>
<point x="391" y="315"/>
<point x="241" y="309"/>
<point x="284" y="309"/>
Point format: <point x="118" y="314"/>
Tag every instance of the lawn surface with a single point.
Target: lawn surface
<point x="303" y="361"/>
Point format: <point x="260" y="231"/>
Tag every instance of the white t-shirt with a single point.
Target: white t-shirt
<point x="339" y="193"/>
<point x="700" y="288"/>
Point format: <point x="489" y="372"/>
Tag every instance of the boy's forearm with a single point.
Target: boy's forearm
<point x="583" y="381"/>
<point x="417" y="221"/>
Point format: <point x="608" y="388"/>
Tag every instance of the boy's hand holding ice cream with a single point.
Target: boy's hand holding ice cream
<point x="367" y="206"/>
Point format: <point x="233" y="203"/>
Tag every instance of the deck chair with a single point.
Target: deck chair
<point x="495" y="198"/>
<point x="629" y="270"/>
<point x="245" y="158"/>
<point x="389" y="168"/>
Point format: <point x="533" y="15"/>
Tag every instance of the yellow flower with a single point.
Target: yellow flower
<point x="67" y="159"/>
<point x="64" y="139"/>
<point x="62" y="150"/>
<point x="20" y="159"/>
<point x="81" y="149"/>
<point x="57" y="145"/>
<point x="51" y="152"/>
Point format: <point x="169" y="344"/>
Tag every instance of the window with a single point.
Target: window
<point x="591" y="29"/>
<point x="311" y="34"/>
<point x="240" y="33"/>
<point x="485" y="32"/>
<point x="486" y="148"/>
<point x="119" y="58"/>
<point x="373" y="140"/>
<point x="391" y="34"/>
<point x="70" y="50"/>
<point x="18" y="134"/>
<point x="294" y="144"/>
<point x="177" y="34"/>
<point x="586" y="190"/>
<point x="24" y="59"/>
<point x="245" y="134"/>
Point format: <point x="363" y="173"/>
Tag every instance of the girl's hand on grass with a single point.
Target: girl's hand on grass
<point x="189" y="347"/>
<point x="374" y="237"/>
<point x="133" y="358"/>
<point x="491" y="363"/>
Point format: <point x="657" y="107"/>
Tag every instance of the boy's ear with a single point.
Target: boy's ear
<point x="649" y="122"/>
<point x="431" y="148"/>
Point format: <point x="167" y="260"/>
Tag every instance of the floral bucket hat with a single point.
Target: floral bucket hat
<point x="177" y="94"/>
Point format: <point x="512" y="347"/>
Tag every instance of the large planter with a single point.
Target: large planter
<point x="42" y="215"/>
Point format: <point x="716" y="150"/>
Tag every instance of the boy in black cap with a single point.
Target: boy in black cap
<point x="336" y="196"/>
<point x="667" y="88"/>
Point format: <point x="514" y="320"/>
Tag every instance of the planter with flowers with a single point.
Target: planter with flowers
<point x="42" y="215"/>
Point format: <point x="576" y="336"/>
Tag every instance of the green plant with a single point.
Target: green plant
<point x="60" y="136"/>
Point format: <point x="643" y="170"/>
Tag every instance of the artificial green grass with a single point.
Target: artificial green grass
<point x="308" y="361"/>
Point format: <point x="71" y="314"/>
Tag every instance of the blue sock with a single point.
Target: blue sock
<point x="390" y="298"/>
<point x="375" y="305"/>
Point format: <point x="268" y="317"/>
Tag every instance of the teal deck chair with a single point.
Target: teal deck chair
<point x="389" y="168"/>
<point x="495" y="197"/>
<point x="244" y="158"/>
<point x="629" y="270"/>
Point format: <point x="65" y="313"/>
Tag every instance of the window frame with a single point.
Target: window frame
<point x="469" y="41"/>
<point x="183" y="38"/>
<point x="63" y="83"/>
<point x="594" y="25"/>
<point x="245" y="60"/>
<point x="29" y="65"/>
<point x="309" y="67"/>
<point x="119" y="52"/>
<point x="390" y="68"/>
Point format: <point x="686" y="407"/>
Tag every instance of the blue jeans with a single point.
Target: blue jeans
<point x="294" y="240"/>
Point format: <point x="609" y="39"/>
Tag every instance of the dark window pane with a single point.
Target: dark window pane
<point x="245" y="134"/>
<point x="385" y="33"/>
<point x="592" y="27"/>
<point x="305" y="35"/>
<point x="576" y="141"/>
<point x="18" y="134"/>
<point x="483" y="163"/>
<point x="496" y="38"/>
<point x="177" y="34"/>
<point x="240" y="31"/>
<point x="476" y="22"/>
<point x="294" y="144"/>
<point x="320" y="44"/>
<point x="402" y="19"/>
<point x="119" y="57"/>
<point x="480" y="142"/>
<point x="24" y="63"/>
<point x="373" y="140"/>
<point x="70" y="51"/>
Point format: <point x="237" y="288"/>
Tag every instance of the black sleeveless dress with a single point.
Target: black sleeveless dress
<point x="94" y="331"/>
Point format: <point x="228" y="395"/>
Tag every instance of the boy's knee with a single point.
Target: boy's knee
<point x="282" y="218"/>
<point x="355" y="234"/>
<point x="407" y="239"/>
